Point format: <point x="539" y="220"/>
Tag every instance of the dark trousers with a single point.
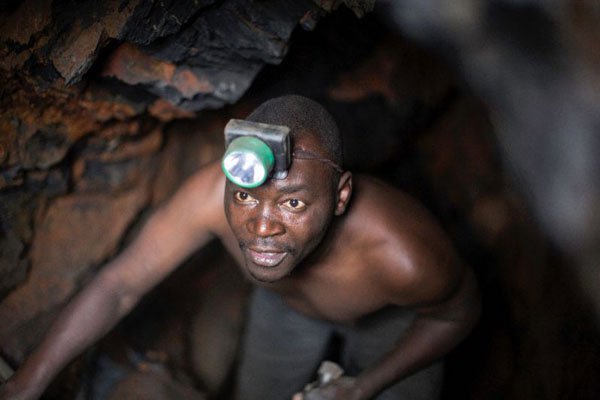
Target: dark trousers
<point x="282" y="351"/>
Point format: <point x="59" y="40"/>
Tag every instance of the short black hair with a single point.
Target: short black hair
<point x="302" y="114"/>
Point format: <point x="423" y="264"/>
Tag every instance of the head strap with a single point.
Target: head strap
<point x="301" y="154"/>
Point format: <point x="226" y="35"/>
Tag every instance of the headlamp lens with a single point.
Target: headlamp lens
<point x="248" y="162"/>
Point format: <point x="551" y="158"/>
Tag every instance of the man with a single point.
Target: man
<point x="377" y="273"/>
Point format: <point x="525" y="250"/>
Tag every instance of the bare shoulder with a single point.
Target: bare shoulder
<point x="200" y="199"/>
<point x="412" y="257"/>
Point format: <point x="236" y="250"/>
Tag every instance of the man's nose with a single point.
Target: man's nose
<point x="265" y="224"/>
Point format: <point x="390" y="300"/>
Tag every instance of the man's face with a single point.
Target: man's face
<point x="279" y="223"/>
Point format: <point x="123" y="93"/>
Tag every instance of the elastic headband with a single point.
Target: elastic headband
<point x="301" y="154"/>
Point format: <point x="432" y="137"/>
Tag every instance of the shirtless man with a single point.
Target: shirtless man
<point x="330" y="254"/>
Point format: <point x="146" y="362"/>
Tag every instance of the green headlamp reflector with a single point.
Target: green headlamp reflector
<point x="255" y="152"/>
<point x="248" y="161"/>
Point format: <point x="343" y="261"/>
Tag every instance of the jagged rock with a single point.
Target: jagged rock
<point x="213" y="60"/>
<point x="360" y="7"/>
<point x="114" y="164"/>
<point x="28" y="19"/>
<point x="11" y="177"/>
<point x="237" y="32"/>
<point x="151" y="20"/>
<point x="199" y="54"/>
<point x="73" y="53"/>
<point x="51" y="183"/>
<point x="166" y="111"/>
<point x="134" y="67"/>
<point x="79" y="52"/>
<point x="104" y="103"/>
<point x="42" y="148"/>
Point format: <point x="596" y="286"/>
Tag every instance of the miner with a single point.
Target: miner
<point x="330" y="255"/>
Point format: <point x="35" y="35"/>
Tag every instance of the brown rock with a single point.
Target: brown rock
<point x="78" y="52"/>
<point x="190" y="83"/>
<point x="112" y="163"/>
<point x="30" y="18"/>
<point x="97" y="176"/>
<point x="102" y="106"/>
<point x="131" y="65"/>
<point x="115" y="21"/>
<point x="42" y="148"/>
<point x="115" y="143"/>
<point x="77" y="233"/>
<point x="53" y="109"/>
<point x="165" y="111"/>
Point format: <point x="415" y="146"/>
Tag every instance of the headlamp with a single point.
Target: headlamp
<point x="255" y="152"/>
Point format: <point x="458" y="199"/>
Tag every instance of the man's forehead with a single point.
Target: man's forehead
<point x="308" y="140"/>
<point x="303" y="175"/>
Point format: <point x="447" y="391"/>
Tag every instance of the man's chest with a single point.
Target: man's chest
<point x="337" y="289"/>
<point x="341" y="287"/>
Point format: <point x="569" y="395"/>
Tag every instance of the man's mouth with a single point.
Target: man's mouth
<point x="266" y="258"/>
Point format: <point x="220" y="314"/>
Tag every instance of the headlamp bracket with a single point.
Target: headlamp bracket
<point x="275" y="136"/>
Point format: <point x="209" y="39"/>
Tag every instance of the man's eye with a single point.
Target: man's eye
<point x="294" y="204"/>
<point x="243" y="197"/>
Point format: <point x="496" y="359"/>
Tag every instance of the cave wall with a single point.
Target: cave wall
<point x="107" y="106"/>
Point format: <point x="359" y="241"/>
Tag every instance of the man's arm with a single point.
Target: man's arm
<point x="185" y="223"/>
<point x="436" y="329"/>
<point x="416" y="267"/>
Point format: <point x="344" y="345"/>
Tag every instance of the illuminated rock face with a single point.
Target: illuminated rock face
<point x="195" y="54"/>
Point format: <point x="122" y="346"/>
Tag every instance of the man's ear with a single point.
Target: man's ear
<point x="344" y="192"/>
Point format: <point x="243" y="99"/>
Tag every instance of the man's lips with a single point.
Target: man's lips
<point x="266" y="258"/>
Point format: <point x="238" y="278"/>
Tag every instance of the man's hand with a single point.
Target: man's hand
<point x="343" y="388"/>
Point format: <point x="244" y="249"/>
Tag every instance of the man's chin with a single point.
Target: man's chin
<point x="267" y="274"/>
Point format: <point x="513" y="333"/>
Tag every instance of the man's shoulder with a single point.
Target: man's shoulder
<point x="387" y="210"/>
<point x="209" y="179"/>
<point x="389" y="220"/>
<point x="408" y="250"/>
<point x="200" y="197"/>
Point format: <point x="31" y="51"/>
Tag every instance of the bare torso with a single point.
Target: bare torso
<point x="346" y="279"/>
